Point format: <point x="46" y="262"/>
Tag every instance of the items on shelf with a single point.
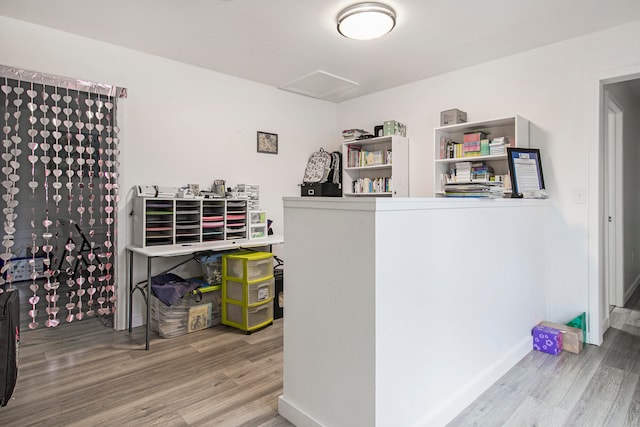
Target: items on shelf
<point x="392" y="127"/>
<point x="355" y="134"/>
<point x="258" y="225"/>
<point x="171" y="221"/>
<point x="370" y="169"/>
<point x="452" y="117"/>
<point x="372" y="185"/>
<point x="359" y="157"/>
<point x="498" y="146"/>
<point x="252" y="194"/>
<point x="323" y="175"/>
<point x="489" y="189"/>
<point x="477" y="145"/>
<point x="156" y="191"/>
<point x="465" y="172"/>
<point x="485" y="142"/>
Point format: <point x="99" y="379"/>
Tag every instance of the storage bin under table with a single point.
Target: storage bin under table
<point x="247" y="318"/>
<point x="176" y="320"/>
<point x="250" y="293"/>
<point x="247" y="290"/>
<point x="247" y="266"/>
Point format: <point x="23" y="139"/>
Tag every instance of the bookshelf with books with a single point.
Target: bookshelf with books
<point x="471" y="158"/>
<point x="376" y="167"/>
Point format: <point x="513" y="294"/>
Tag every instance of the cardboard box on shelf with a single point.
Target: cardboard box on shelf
<point x="452" y="117"/>
<point x="392" y="127"/>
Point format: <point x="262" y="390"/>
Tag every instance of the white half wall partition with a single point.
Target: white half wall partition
<point x="403" y="311"/>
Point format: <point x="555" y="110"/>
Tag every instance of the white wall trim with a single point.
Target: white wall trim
<point x="296" y="416"/>
<point x="632" y="289"/>
<point x="613" y="174"/>
<point x="456" y="403"/>
<point x="596" y="318"/>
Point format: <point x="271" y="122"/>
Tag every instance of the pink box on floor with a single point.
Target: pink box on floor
<point x="547" y="340"/>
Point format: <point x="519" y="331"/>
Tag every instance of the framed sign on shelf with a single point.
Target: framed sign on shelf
<point x="267" y="142"/>
<point x="525" y="168"/>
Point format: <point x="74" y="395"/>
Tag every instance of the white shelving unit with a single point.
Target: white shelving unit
<point x="258" y="226"/>
<point x="171" y="221"/>
<point x="384" y="158"/>
<point x="515" y="128"/>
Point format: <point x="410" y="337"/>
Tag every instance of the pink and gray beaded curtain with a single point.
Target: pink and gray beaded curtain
<point x="59" y="174"/>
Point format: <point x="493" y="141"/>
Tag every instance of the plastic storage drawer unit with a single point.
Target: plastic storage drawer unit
<point x="247" y="266"/>
<point x="247" y="318"/>
<point x="249" y="293"/>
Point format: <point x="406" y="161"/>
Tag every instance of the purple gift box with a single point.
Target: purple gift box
<point x="546" y="339"/>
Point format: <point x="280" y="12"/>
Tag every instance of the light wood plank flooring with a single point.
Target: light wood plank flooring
<point x="598" y="387"/>
<point x="83" y="374"/>
<point x="86" y="374"/>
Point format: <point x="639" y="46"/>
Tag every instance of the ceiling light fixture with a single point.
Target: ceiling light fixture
<point x="366" y="21"/>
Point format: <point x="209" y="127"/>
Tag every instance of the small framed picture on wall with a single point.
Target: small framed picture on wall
<point x="267" y="142"/>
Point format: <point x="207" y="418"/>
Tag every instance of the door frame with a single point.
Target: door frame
<point x="598" y="312"/>
<point x="613" y="244"/>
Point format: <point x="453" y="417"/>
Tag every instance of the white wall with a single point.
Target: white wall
<point x="631" y="177"/>
<point x="402" y="325"/>
<point x="187" y="125"/>
<point x="183" y="124"/>
<point x="553" y="87"/>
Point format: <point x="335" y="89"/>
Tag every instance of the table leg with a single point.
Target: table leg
<point x="131" y="289"/>
<point x="148" y="301"/>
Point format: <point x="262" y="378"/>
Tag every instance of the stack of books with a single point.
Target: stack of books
<point x="471" y="145"/>
<point x="372" y="185"/>
<point x="463" y="171"/>
<point x="355" y="134"/>
<point x="498" y="146"/>
<point x="357" y="157"/>
<point x="493" y="189"/>
<point x="481" y="172"/>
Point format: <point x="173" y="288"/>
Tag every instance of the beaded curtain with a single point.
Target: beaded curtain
<point x="59" y="170"/>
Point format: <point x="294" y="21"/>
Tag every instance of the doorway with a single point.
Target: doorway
<point x="623" y="85"/>
<point x="620" y="152"/>
<point x="613" y="116"/>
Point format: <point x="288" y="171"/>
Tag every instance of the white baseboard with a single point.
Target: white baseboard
<point x="446" y="411"/>
<point x="295" y="415"/>
<point x="631" y="290"/>
<point x="453" y="406"/>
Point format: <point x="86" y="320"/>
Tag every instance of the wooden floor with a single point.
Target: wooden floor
<point x="598" y="387"/>
<point x="84" y="374"/>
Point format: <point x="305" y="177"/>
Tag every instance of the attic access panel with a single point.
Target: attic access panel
<point x="320" y="84"/>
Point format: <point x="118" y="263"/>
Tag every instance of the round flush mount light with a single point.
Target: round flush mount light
<point x="366" y="21"/>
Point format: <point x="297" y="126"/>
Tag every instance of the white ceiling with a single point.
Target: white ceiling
<point x="276" y="42"/>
